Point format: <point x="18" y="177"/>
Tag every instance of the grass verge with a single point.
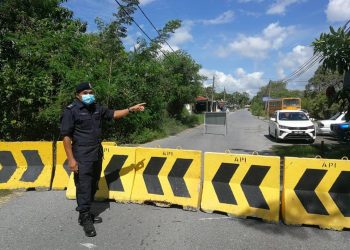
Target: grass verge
<point x="170" y="126"/>
<point x="332" y="151"/>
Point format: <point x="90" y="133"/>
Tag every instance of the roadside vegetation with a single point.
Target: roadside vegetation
<point x="328" y="151"/>
<point x="45" y="52"/>
<point x="324" y="94"/>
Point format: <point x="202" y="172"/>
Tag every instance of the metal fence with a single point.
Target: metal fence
<point x="215" y="119"/>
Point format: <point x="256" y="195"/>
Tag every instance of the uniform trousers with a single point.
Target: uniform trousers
<point x="86" y="183"/>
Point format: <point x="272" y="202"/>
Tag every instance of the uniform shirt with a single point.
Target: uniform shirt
<point x="84" y="125"/>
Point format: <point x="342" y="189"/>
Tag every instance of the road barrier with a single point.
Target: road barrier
<point x="242" y="185"/>
<point x="167" y="176"/>
<point x="215" y="119"/>
<point x="25" y="165"/>
<point x="117" y="176"/>
<point x="316" y="192"/>
<point x="62" y="171"/>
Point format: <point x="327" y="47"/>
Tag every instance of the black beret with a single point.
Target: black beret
<point x="83" y="86"/>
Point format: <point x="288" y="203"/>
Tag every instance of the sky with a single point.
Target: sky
<point x="243" y="43"/>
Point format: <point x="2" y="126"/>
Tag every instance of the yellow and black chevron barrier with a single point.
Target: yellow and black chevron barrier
<point x="242" y="185"/>
<point x="25" y="165"/>
<point x="167" y="176"/>
<point x="117" y="176"/>
<point x="316" y="192"/>
<point x="62" y="172"/>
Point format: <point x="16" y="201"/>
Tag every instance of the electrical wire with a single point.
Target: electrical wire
<point x="304" y="69"/>
<point x="144" y="14"/>
<point x="309" y="63"/>
<point x="133" y="20"/>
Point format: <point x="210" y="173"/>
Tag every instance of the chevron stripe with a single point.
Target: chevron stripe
<point x="250" y="186"/>
<point x="340" y="193"/>
<point x="8" y="164"/>
<point x="35" y="165"/>
<point x="221" y="183"/>
<point x="150" y="175"/>
<point x="176" y="177"/>
<point x="305" y="190"/>
<point x="112" y="172"/>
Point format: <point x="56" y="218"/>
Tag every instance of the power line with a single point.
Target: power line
<point x="309" y="63"/>
<point x="132" y="19"/>
<point x="300" y="69"/>
<point x="144" y="14"/>
<point x="304" y="68"/>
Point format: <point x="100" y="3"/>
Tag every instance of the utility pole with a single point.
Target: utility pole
<point x="268" y="101"/>
<point x="224" y="94"/>
<point x="212" y="94"/>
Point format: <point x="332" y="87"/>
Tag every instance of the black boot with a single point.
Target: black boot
<point x="86" y="222"/>
<point x="95" y="219"/>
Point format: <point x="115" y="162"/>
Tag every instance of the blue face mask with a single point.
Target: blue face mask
<point x="88" y="99"/>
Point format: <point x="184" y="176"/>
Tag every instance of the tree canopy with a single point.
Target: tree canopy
<point x="45" y="52"/>
<point x="335" y="50"/>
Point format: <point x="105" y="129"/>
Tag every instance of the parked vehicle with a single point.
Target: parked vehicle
<point x="324" y="126"/>
<point x="291" y="124"/>
<point x="341" y="131"/>
<point x="306" y="112"/>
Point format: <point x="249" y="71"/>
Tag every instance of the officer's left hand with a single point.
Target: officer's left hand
<point x="138" y="107"/>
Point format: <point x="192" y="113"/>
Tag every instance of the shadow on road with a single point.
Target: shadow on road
<point x="288" y="142"/>
<point x="98" y="207"/>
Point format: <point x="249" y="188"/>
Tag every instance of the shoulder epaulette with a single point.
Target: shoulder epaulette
<point x="70" y="106"/>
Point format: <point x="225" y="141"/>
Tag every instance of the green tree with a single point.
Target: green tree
<point x="45" y="52"/>
<point x="183" y="83"/>
<point x="335" y="50"/>
<point x="315" y="98"/>
<point x="41" y="47"/>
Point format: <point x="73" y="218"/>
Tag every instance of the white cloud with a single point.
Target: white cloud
<point x="279" y="6"/>
<point x="145" y="2"/>
<point x="338" y="10"/>
<point x="292" y="61"/>
<point x="241" y="81"/>
<point x="253" y="47"/>
<point x="257" y="47"/>
<point x="181" y="36"/>
<point x="166" y="48"/>
<point x="225" y="17"/>
<point x="250" y="13"/>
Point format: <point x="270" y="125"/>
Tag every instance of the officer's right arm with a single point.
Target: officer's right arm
<point x="72" y="163"/>
<point x="67" y="127"/>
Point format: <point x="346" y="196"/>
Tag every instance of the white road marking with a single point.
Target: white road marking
<point x="215" y="218"/>
<point x="88" y="245"/>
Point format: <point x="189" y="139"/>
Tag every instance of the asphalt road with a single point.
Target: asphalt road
<point x="245" y="134"/>
<point x="47" y="220"/>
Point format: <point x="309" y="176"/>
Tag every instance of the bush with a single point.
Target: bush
<point x="190" y="120"/>
<point x="257" y="109"/>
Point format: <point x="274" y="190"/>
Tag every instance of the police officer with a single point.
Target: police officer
<point x="81" y="132"/>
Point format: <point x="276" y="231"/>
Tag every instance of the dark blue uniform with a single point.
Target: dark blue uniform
<point x="84" y="125"/>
